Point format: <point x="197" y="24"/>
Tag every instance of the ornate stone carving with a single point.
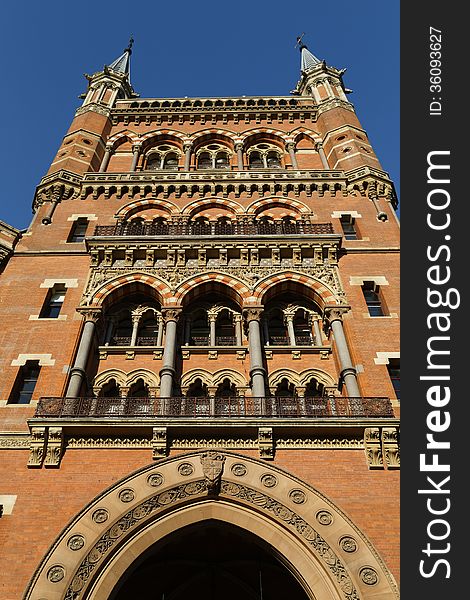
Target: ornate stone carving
<point x="56" y="573"/>
<point x="268" y="480"/>
<point x="55" y="447"/>
<point x="185" y="469"/>
<point x="324" y="517"/>
<point x="182" y="492"/>
<point x="348" y="544"/>
<point x="76" y="542"/>
<point x="212" y="467"/>
<point x="174" y="276"/>
<point x="38" y="440"/>
<point x="126" y="495"/>
<point x="239" y="469"/>
<point x="100" y="515"/>
<point x="159" y="442"/>
<point x="373" y="448"/>
<point x="391" y="447"/>
<point x="369" y="576"/>
<point x="155" y="479"/>
<point x="171" y="314"/>
<point x="266" y="442"/>
<point x="298" y="496"/>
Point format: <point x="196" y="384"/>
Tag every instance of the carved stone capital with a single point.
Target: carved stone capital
<point x="90" y="314"/>
<point x="187" y="146"/>
<point x="335" y="313"/>
<point x="391" y="447"/>
<point x="252" y="313"/>
<point x="171" y="314"/>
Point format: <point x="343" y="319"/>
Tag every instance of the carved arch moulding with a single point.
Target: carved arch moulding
<point x="330" y="557"/>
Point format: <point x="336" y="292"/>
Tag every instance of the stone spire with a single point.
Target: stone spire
<point x="122" y="64"/>
<point x="307" y="59"/>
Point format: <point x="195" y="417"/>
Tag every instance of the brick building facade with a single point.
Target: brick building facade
<point x="199" y="365"/>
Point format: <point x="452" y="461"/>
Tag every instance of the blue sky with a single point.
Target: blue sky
<point x="184" y="48"/>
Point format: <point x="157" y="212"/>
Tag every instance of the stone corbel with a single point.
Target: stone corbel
<point x="159" y="443"/>
<point x="373" y="448"/>
<point x="37" y="447"/>
<point x="391" y="447"/>
<point x="266" y="443"/>
<point x="55" y="447"/>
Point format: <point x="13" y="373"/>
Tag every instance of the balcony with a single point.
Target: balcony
<point x="197" y="229"/>
<point x="200" y="407"/>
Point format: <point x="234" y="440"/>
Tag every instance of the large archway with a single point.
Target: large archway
<point x="208" y="561"/>
<point x="321" y="549"/>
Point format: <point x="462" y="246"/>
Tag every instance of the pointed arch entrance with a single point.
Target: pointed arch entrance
<point x="324" y="556"/>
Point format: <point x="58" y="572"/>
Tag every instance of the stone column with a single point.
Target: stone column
<point x="105" y="161"/>
<point x="78" y="372"/>
<point x="348" y="372"/>
<point x="317" y="331"/>
<point x="167" y="372"/>
<point x="316" y="94"/>
<point x="212" y="321"/>
<point x="238" y="328"/>
<point x="321" y="152"/>
<point x="187" y="156"/>
<point x="328" y="88"/>
<point x="135" y="158"/>
<point x="257" y="371"/>
<point x="160" y="330"/>
<point x="290" y="329"/>
<point x="239" y="149"/>
<point x="291" y="149"/>
<point x="135" y="328"/>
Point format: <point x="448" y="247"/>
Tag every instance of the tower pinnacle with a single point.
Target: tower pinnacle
<point x="308" y="60"/>
<point x="122" y="63"/>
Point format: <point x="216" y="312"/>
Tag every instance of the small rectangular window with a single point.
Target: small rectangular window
<point x="78" y="231"/>
<point x="372" y="298"/>
<point x="25" y="383"/>
<point x="394" y="373"/>
<point x="349" y="227"/>
<point x="53" y="303"/>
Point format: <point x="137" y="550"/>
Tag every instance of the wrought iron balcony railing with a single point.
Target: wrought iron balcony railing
<point x="196" y="229"/>
<point x="178" y="407"/>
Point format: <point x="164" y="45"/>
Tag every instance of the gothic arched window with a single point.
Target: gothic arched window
<point x="170" y="162"/>
<point x="204" y="161"/>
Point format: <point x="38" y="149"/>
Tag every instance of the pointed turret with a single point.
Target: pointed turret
<point x="113" y="82"/>
<point x="307" y="60"/>
<point x="122" y="64"/>
<point x="317" y="79"/>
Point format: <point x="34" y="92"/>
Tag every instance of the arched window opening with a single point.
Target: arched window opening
<point x="160" y="226"/>
<point x="201" y="226"/>
<point x="225" y="329"/>
<point x="266" y="226"/>
<point x="314" y="388"/>
<point x="223" y="226"/>
<point x="222" y="161"/>
<point x="255" y="161"/>
<point x="204" y="161"/>
<point x="273" y="160"/>
<point x="139" y="389"/>
<point x="277" y="329"/>
<point x="148" y="331"/>
<point x="110" y="390"/>
<point x="122" y="332"/>
<point x="197" y="389"/>
<point x="226" y="389"/>
<point x="170" y="162"/>
<point x="288" y="225"/>
<point x="154" y="162"/>
<point x="285" y="389"/>
<point x="199" y="330"/>
<point x="302" y="329"/>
